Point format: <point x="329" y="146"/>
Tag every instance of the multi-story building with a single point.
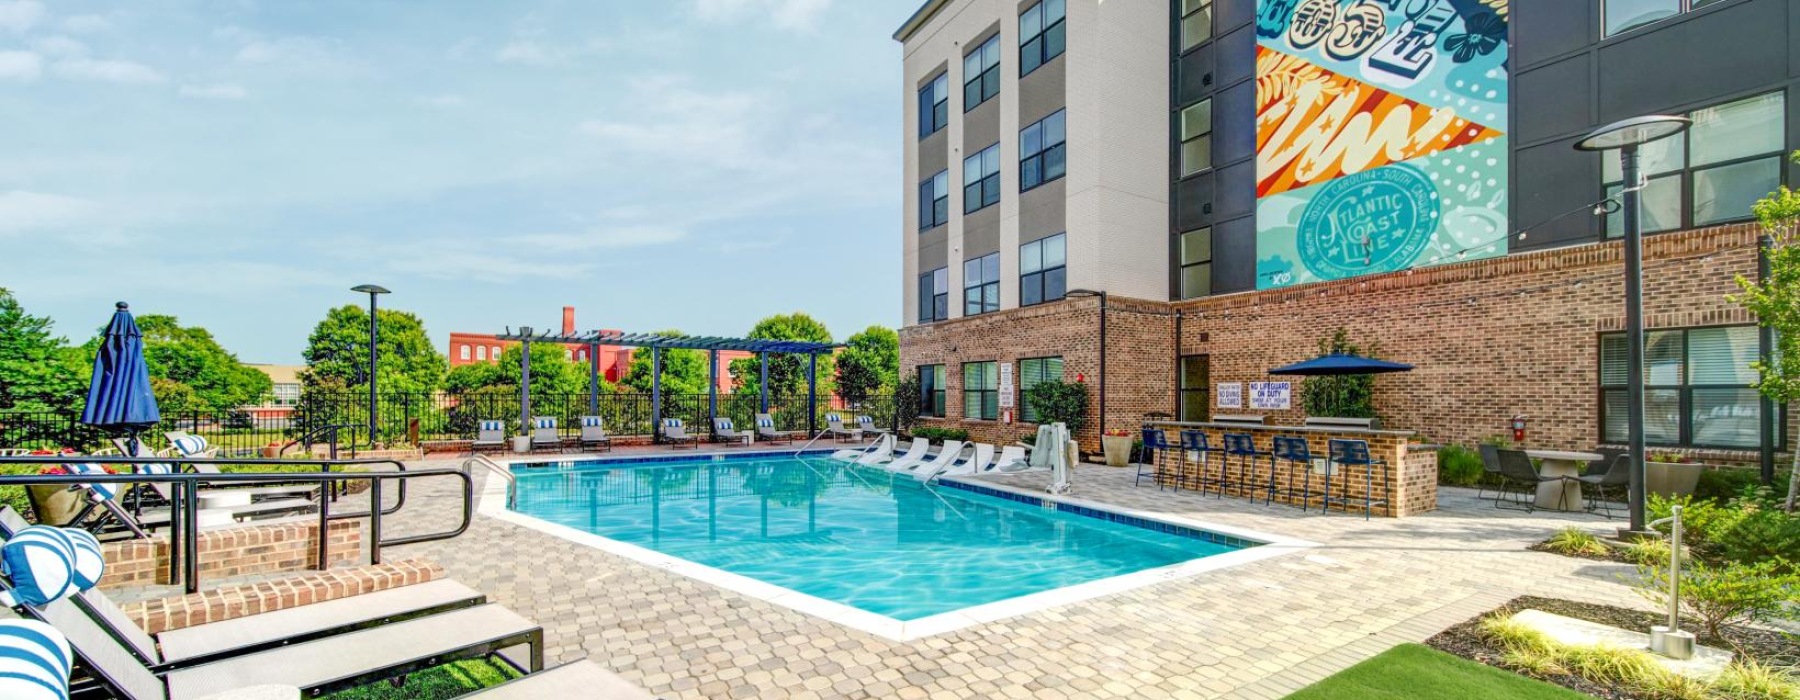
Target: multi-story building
<point x="614" y="362"/>
<point x="1166" y="199"/>
<point x="284" y="394"/>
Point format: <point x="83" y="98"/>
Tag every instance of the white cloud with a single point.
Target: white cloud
<point x="625" y="237"/>
<point x="24" y="211"/>
<point x="59" y="46"/>
<point x="681" y="122"/>
<point x="797" y="15"/>
<point x="22" y="66"/>
<point x="222" y="91"/>
<point x="107" y="71"/>
<point x="17" y="16"/>
<point x="87" y="24"/>
<point x="306" y="53"/>
<point x="526" y="51"/>
<point x="442" y="101"/>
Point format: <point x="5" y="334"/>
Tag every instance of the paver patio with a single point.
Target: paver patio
<point x="1260" y="630"/>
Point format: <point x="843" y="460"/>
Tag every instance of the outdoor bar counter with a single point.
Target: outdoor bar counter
<point x="1411" y="469"/>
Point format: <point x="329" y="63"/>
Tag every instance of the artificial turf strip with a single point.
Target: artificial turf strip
<point x="1418" y="672"/>
<point x="436" y="683"/>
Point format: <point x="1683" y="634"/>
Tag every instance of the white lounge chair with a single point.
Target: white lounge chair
<point x="1012" y="459"/>
<point x="882" y="450"/>
<point x="946" y="456"/>
<point x="489" y="435"/>
<point x="914" y="452"/>
<point x="983" y="456"/>
<point x="593" y="433"/>
<point x="544" y="435"/>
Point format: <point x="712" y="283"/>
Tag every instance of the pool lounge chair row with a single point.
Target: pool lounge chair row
<point x="492" y="434"/>
<point x="949" y="460"/>
<point x="312" y="648"/>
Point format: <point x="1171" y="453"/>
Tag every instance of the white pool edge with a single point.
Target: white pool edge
<point x="493" y="504"/>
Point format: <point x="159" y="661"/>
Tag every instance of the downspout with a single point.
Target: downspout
<point x="1103" y="362"/>
<point x="1176" y="385"/>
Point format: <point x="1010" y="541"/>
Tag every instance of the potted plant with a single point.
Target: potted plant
<point x="1669" y="474"/>
<point x="55" y="504"/>
<point x="1116" y="444"/>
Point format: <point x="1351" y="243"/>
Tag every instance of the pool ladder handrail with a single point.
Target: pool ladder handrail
<point x="512" y="482"/>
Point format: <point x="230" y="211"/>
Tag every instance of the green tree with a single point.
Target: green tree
<point x="337" y="353"/>
<point x="683" y="371"/>
<point x="38" y="370"/>
<point x="869" y="364"/>
<point x="552" y="372"/>
<point x="787" y="372"/>
<point x="1346" y="396"/>
<point x="1776" y="304"/>
<point x="189" y="371"/>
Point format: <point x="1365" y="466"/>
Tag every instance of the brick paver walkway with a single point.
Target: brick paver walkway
<point x="1256" y="631"/>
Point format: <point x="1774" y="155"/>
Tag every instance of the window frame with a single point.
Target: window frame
<point x="986" y="398"/>
<point x="983" y="286"/>
<point x="1182" y="140"/>
<point x="1041" y="53"/>
<point x="985" y="185"/>
<point x="932" y="393"/>
<point x="934" y="197"/>
<point x="1182" y="263"/>
<point x="1041" y="155"/>
<point x="1682" y="7"/>
<point x="938" y="301"/>
<point x="1026" y="414"/>
<point x="1684" y="391"/>
<point x="464" y="354"/>
<point x="1685" y="175"/>
<point x="986" y="80"/>
<point x="934" y="105"/>
<point x="1042" y="272"/>
<point x="1182" y="390"/>
<point x="1181" y="18"/>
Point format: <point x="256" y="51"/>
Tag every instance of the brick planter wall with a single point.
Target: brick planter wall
<point x="231" y="602"/>
<point x="237" y="551"/>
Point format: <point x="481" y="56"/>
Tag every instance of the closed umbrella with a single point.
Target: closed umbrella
<point x="119" y="398"/>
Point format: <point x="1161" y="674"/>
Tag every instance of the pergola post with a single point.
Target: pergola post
<point x="594" y="378"/>
<point x="656" y="395"/>
<point x="712" y="393"/>
<point x="525" y="384"/>
<point x="763" y="357"/>
<point x="812" y="393"/>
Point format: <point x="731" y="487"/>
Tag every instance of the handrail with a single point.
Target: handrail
<point x="512" y="481"/>
<point x="306" y="439"/>
<point x="185" y="521"/>
<point x="816" y="438"/>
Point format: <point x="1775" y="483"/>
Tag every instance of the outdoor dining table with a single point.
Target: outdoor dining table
<point x="1564" y="495"/>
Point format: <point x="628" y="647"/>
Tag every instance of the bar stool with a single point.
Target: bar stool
<point x="1355" y="453"/>
<point x="1243" y="447"/>
<point x="1156" y="447"/>
<point x="1295" y="452"/>
<point x="1195" y="441"/>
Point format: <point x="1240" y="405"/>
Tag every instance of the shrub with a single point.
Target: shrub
<point x="1721" y="485"/>
<point x="1346" y="396"/>
<point x="1648" y="552"/>
<point x="1726" y="594"/>
<point x="1059" y="402"/>
<point x="1574" y="541"/>
<point x="1703" y="522"/>
<point x="908" y="402"/>
<point x="935" y="434"/>
<point x="1459" y="466"/>
<point x="1761" y="534"/>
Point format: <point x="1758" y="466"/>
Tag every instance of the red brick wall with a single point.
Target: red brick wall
<point x="229" y="552"/>
<point x="231" y="602"/>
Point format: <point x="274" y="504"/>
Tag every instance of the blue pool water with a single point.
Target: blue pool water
<point x="853" y="535"/>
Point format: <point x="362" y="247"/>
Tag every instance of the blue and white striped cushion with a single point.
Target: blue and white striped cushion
<point x="39" y="561"/>
<point x="546" y="423"/>
<point x="765" y="422"/>
<point x="725" y="424"/>
<point x="590" y="421"/>
<point x="865" y="421"/>
<point x="190" y="445"/>
<point x="90" y="564"/>
<point x="34" y="661"/>
<point x="154" y="469"/>
<point x="96" y="492"/>
<point x="490" y="425"/>
<point x="833" y="418"/>
<point x="671" y="422"/>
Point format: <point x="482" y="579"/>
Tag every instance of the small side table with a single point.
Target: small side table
<point x="1567" y="494"/>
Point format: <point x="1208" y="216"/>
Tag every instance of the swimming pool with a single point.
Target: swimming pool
<point x="855" y="536"/>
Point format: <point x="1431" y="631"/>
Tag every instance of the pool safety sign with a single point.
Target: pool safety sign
<point x="1006" y="385"/>
<point x="1231" y="394"/>
<point x="1271" y="396"/>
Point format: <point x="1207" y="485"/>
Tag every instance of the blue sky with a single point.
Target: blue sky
<point x="242" y="163"/>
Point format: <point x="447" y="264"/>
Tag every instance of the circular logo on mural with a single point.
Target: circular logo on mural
<point x="1374" y="221"/>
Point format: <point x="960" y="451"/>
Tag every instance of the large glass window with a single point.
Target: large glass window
<point x="934" y="201"/>
<point x="1043" y="272"/>
<point x="934" y="105"/>
<point x="1196" y="137"/>
<point x="1711" y="174"/>
<point x="465" y="352"/>
<point x="481" y="352"/>
<point x="934" y="295"/>
<point x="981" y="391"/>
<point x="1196" y="23"/>
<point x="981" y="74"/>
<point x="1196" y="263"/>
<point x="1041" y="35"/>
<point x="981" y="285"/>
<point x="931" y="390"/>
<point x="1043" y="153"/>
<point x="1031" y="371"/>
<point x="1697" y="388"/>
<point x="1626" y="15"/>
<point x="1194" y="386"/>
<point x="981" y="179"/>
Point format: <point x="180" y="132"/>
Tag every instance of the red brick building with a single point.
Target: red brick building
<point x="470" y="348"/>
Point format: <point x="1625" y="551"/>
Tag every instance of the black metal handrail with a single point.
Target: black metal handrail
<point x="184" y="521"/>
<point x="307" y="439"/>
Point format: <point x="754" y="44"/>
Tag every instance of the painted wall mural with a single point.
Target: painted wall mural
<point x="1381" y="136"/>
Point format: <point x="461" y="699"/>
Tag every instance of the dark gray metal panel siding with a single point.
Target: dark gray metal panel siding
<point x="1234" y="123"/>
<point x="1234" y="256"/>
<point x="1551" y="99"/>
<point x="1235" y="56"/>
<point x="1229" y="15"/>
<point x="1193" y="203"/>
<point x="934" y="251"/>
<point x="1234" y="190"/>
<point x="1193" y="76"/>
<point x="1545" y="29"/>
<point x="1735" y="47"/>
<point x="1549" y="180"/>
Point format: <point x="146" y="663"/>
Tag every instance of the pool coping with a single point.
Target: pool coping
<point x="1267" y="545"/>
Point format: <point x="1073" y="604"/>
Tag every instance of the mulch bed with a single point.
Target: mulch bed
<point x="1613" y="554"/>
<point x="1465" y="640"/>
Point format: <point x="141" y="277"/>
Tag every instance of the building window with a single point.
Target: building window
<point x="981" y="285"/>
<point x="287" y="394"/>
<point x="1626" y="15"/>
<point x="480" y="353"/>
<point x="934" y="201"/>
<point x="1032" y="371"/>
<point x="981" y="391"/>
<point x="1043" y="155"/>
<point x="931" y="390"/>
<point x="1712" y="173"/>
<point x="1196" y="263"/>
<point x="1195" y="400"/>
<point x="981" y="74"/>
<point x="1196" y="23"/>
<point x="981" y="179"/>
<point x="934" y="105"/>
<point x="1697" y="388"/>
<point x="1196" y="137"/>
<point x="464" y="353"/>
<point x="934" y="295"/>
<point x="1043" y="273"/>
<point x="495" y="353"/>
<point x="1040" y="35"/>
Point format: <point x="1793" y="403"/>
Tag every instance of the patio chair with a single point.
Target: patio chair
<point x="975" y="464"/>
<point x="724" y="431"/>
<point x="190" y="446"/>
<point x="865" y="426"/>
<point x="1490" y="467"/>
<point x="1614" y="480"/>
<point x="914" y="453"/>
<point x="1296" y="453"/>
<point x="489" y="435"/>
<point x="834" y="426"/>
<point x="1355" y="453"/>
<point x="247" y="494"/>
<point x="765" y="430"/>
<point x="544" y="435"/>
<point x="951" y="451"/>
<point x="103" y="500"/>
<point x="1516" y="470"/>
<point x="1156" y="449"/>
<point x="593" y="433"/>
<point x="1012" y="459"/>
<point x="675" y="433"/>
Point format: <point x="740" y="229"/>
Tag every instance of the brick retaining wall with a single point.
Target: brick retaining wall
<point x="238" y="551"/>
<point x="231" y="602"/>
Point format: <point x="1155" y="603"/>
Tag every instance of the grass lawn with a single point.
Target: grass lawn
<point x="1418" y="672"/>
<point x="447" y="681"/>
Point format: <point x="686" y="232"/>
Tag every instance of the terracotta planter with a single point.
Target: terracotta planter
<point x="1117" y="450"/>
<point x="1669" y="479"/>
<point x="54" y="504"/>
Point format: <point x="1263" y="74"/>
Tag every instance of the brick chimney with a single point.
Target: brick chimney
<point x="568" y="320"/>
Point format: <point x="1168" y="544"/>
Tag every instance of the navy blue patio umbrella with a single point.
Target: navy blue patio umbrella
<point x="1336" y="364"/>
<point x="119" y="397"/>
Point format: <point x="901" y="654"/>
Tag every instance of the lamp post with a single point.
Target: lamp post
<point x="1627" y="136"/>
<point x="373" y="290"/>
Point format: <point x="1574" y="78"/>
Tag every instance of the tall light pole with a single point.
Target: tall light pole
<point x="1627" y="136"/>
<point x="373" y="290"/>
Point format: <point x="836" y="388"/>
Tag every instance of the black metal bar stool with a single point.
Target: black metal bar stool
<point x="1295" y="452"/>
<point x="1355" y="453"/>
<point x="1195" y="441"/>
<point x="1156" y="449"/>
<point x="1243" y="447"/>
